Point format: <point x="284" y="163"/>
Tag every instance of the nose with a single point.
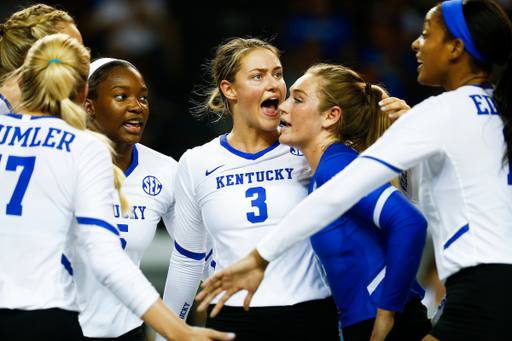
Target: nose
<point x="416" y="45"/>
<point x="135" y="106"/>
<point x="283" y="107"/>
<point x="272" y="84"/>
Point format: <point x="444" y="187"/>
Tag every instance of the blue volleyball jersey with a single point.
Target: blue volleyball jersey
<point x="363" y="250"/>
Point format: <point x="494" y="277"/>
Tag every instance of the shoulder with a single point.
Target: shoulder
<point x="335" y="158"/>
<point x="151" y="156"/>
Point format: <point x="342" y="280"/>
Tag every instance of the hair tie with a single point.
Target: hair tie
<point x="456" y="22"/>
<point x="53" y="60"/>
<point x="368" y="89"/>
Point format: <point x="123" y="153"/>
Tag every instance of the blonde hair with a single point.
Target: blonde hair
<point x="362" y="121"/>
<point x="224" y="66"/>
<point x="24" y="28"/>
<point x="54" y="87"/>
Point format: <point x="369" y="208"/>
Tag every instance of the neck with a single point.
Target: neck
<point x="11" y="91"/>
<point x="250" y="140"/>
<point x="314" y="150"/>
<point x="463" y="75"/>
<point x="124" y="156"/>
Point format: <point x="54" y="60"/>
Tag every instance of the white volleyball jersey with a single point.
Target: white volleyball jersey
<point x="53" y="176"/>
<point x="5" y="106"/>
<point x="150" y="190"/>
<point x="465" y="191"/>
<point x="239" y="198"/>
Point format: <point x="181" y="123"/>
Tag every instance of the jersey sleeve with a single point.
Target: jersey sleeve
<point x="405" y="229"/>
<point x="93" y="211"/>
<point x="169" y="216"/>
<point x="417" y="135"/>
<point x="188" y="256"/>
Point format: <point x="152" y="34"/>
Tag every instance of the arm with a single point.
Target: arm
<point x="413" y="138"/>
<point x="188" y="256"/>
<point x="405" y="229"/>
<point x="109" y="263"/>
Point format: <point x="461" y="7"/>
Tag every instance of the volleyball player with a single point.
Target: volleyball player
<point x="372" y="253"/>
<point x="18" y="34"/>
<point x="238" y="187"/>
<point x="56" y="174"/>
<point x="461" y="141"/>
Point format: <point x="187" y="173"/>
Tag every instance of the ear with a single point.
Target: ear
<point x="228" y="90"/>
<point x="82" y="95"/>
<point x="332" y="116"/>
<point x="456" y="48"/>
<point x="89" y="108"/>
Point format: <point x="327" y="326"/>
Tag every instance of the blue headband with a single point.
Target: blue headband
<point x="454" y="19"/>
<point x="53" y="60"/>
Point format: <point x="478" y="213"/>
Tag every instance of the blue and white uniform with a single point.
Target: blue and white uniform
<point x="5" y="106"/>
<point x="465" y="192"/>
<point x="239" y="198"/>
<point x="149" y="188"/>
<point x="53" y="177"/>
<point x="363" y="251"/>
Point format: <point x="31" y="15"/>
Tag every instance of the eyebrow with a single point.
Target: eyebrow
<point x="126" y="87"/>
<point x="265" y="69"/>
<point x="299" y="90"/>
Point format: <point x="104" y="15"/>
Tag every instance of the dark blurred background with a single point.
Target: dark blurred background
<point x="169" y="42"/>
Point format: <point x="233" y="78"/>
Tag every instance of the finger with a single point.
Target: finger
<point x="209" y="298"/>
<point x="215" y="335"/>
<point x="211" y="279"/>
<point x="208" y="289"/>
<point x="220" y="304"/>
<point x="247" y="300"/>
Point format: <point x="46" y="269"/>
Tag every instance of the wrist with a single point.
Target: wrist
<point x="260" y="261"/>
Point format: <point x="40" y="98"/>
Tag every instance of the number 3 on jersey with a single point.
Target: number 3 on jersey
<point x="13" y="162"/>
<point x="260" y="196"/>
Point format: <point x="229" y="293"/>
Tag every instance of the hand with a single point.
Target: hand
<point x="393" y="106"/>
<point x="383" y="324"/>
<point x="246" y="274"/>
<point x="205" y="334"/>
<point x="171" y="327"/>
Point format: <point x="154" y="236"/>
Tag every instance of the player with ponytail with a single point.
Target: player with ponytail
<point x="57" y="175"/>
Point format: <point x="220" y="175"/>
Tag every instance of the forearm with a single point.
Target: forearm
<point x="325" y="205"/>
<point x="165" y="322"/>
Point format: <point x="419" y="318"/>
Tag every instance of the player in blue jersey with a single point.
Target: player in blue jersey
<point x="17" y="35"/>
<point x="237" y="188"/>
<point x="460" y="140"/>
<point x="370" y="254"/>
<point x="58" y="178"/>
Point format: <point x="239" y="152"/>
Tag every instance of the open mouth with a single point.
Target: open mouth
<point x="285" y="124"/>
<point x="269" y="106"/>
<point x="134" y="125"/>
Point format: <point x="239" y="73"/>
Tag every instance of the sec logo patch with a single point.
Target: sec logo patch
<point x="151" y="185"/>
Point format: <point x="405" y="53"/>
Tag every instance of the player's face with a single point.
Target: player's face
<point x="432" y="52"/>
<point x="122" y="109"/>
<point x="72" y="31"/>
<point x="259" y="88"/>
<point x="300" y="114"/>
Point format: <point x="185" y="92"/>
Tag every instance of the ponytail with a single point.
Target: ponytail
<point x="502" y="96"/>
<point x="53" y="76"/>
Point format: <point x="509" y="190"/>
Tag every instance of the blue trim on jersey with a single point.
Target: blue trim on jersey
<point x="398" y="170"/>
<point x="135" y="162"/>
<point x="224" y="143"/>
<point x="188" y="254"/>
<point x="486" y="87"/>
<point x="97" y="222"/>
<point x="209" y="255"/>
<point x="9" y="106"/>
<point x="456" y="236"/>
<point x="67" y="264"/>
<point x="20" y="116"/>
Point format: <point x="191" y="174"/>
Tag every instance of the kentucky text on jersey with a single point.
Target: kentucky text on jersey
<point x="53" y="138"/>
<point x="137" y="212"/>
<point x="260" y="176"/>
